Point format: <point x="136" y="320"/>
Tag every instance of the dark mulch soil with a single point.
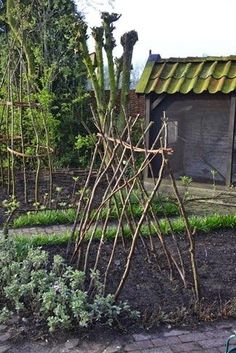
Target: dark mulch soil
<point x="62" y="178"/>
<point x="149" y="289"/>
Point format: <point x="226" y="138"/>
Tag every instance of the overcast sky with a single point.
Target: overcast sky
<point x="172" y="27"/>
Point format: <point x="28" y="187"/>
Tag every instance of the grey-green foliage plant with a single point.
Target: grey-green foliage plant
<point x="51" y="293"/>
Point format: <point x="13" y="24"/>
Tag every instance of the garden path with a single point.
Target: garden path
<point x="54" y="229"/>
<point x="207" y="338"/>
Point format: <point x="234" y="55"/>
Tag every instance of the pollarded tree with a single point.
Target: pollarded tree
<point x="119" y="70"/>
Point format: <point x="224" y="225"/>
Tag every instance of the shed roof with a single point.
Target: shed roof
<point x="192" y="74"/>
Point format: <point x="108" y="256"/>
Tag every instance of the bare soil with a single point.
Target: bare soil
<point x="159" y="300"/>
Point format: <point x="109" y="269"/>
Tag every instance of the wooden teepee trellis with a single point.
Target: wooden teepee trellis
<point x="123" y="176"/>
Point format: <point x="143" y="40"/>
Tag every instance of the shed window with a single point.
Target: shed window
<point x="172" y="132"/>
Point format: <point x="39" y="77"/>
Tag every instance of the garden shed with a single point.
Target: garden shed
<point x="198" y="96"/>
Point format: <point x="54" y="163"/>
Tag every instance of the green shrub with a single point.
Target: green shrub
<point x="51" y="293"/>
<point x="85" y="146"/>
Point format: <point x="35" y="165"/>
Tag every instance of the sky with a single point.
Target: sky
<point x="171" y="28"/>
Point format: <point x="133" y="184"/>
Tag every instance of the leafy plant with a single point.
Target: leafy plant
<point x="52" y="293"/>
<point x="85" y="146"/>
<point x="10" y="205"/>
<point x="214" y="174"/>
<point x="186" y="182"/>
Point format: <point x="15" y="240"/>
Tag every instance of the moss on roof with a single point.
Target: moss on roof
<point x="184" y="75"/>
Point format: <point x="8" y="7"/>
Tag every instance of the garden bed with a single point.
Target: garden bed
<point x="148" y="289"/>
<point x="159" y="301"/>
<point x="64" y="190"/>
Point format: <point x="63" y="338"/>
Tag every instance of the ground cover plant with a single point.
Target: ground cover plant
<point x="52" y="292"/>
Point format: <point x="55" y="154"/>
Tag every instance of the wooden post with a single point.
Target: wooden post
<point x="150" y="107"/>
<point x="157" y="101"/>
<point x="148" y="119"/>
<point x="231" y="140"/>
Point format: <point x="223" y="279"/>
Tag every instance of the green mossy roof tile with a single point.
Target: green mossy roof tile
<point x="212" y="74"/>
<point x="232" y="69"/>
<point x="180" y="70"/>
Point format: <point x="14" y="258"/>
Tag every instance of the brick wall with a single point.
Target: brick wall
<point x="136" y="104"/>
